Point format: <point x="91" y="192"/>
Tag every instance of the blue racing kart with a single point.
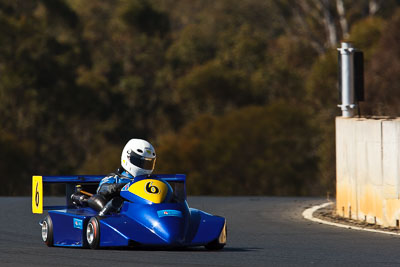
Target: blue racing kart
<point x="154" y="213"/>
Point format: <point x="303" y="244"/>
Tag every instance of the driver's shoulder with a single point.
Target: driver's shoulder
<point x="116" y="177"/>
<point x="124" y="180"/>
<point x="109" y="178"/>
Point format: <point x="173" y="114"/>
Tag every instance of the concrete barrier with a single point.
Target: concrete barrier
<point x="368" y="169"/>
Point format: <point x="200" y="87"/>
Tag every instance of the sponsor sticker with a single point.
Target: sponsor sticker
<point x="174" y="213"/>
<point x="125" y="188"/>
<point x="78" y="223"/>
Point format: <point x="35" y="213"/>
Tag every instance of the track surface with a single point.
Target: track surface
<point x="262" y="231"/>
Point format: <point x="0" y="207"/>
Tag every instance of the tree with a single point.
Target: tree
<point x="382" y="82"/>
<point x="145" y="18"/>
<point x="254" y="150"/>
<point x="324" y="23"/>
<point x="80" y="78"/>
<point x="38" y="70"/>
<point x="211" y="88"/>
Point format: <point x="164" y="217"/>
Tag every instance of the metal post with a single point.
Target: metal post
<point x="346" y="54"/>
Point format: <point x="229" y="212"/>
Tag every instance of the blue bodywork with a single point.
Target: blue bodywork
<point x="139" y="223"/>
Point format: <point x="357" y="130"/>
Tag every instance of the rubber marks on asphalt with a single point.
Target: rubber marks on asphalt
<point x="308" y="214"/>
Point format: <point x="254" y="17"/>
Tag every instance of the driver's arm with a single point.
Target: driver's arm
<point x="109" y="190"/>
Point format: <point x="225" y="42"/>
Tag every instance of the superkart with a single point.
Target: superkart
<point x="155" y="213"/>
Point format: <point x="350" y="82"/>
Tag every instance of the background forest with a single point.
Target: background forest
<point x="239" y="95"/>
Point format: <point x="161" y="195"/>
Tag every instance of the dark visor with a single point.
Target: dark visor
<point x="142" y="162"/>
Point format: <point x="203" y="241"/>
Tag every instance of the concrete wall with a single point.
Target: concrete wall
<point x="368" y="169"/>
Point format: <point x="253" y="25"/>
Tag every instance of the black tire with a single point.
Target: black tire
<point x="217" y="244"/>
<point x="47" y="231"/>
<point x="93" y="233"/>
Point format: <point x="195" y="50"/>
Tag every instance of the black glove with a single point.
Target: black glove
<point x="110" y="190"/>
<point x="97" y="202"/>
<point x="79" y="199"/>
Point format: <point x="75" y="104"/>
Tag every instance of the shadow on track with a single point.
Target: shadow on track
<point x="190" y="249"/>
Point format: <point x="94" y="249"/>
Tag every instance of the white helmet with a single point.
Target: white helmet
<point x="138" y="157"/>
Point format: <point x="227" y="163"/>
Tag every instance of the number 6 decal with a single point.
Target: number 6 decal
<point x="152" y="189"/>
<point x="37" y="194"/>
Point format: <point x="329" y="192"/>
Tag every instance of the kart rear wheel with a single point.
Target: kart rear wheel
<point x="93" y="233"/>
<point x="47" y="231"/>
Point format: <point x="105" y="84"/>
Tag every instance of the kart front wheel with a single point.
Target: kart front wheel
<point x="220" y="242"/>
<point x="93" y="233"/>
<point x="47" y="231"/>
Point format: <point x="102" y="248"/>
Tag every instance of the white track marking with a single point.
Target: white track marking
<point x="308" y="214"/>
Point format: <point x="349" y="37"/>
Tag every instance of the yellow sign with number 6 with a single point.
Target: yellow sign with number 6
<point x="37" y="194"/>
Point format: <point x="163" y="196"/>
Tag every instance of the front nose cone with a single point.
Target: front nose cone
<point x="172" y="231"/>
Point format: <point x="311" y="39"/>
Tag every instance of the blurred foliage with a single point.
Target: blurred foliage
<point x="366" y="34"/>
<point x="146" y="18"/>
<point x="241" y="97"/>
<point x="322" y="95"/>
<point x="237" y="152"/>
<point x="382" y="77"/>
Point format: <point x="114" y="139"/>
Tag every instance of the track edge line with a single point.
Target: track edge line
<point x="308" y="214"/>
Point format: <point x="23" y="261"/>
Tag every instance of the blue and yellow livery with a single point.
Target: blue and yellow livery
<point x="154" y="213"/>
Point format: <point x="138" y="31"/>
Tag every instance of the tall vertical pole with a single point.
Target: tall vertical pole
<point x="346" y="54"/>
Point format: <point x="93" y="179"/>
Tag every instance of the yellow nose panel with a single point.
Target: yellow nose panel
<point x="150" y="189"/>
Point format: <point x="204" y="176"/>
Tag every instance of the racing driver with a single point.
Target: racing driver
<point x="138" y="158"/>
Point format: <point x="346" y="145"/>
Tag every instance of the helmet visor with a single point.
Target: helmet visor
<point x="142" y="162"/>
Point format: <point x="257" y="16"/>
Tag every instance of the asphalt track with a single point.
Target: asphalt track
<point x="262" y="231"/>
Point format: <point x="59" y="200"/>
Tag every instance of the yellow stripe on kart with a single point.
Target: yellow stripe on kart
<point x="150" y="189"/>
<point x="37" y="194"/>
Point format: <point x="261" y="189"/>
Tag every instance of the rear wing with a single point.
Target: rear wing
<point x="70" y="181"/>
<point x="177" y="182"/>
